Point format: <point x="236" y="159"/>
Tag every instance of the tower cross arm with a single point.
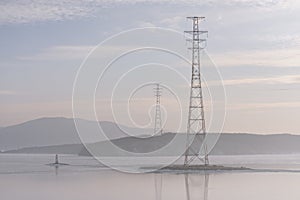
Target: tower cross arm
<point x="196" y="17"/>
<point x="196" y="31"/>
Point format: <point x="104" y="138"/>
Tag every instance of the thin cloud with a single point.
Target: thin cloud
<point x="247" y="106"/>
<point x="72" y="52"/>
<point x="60" y="53"/>
<point x="41" y="10"/>
<point x="8" y="92"/>
<point x="285" y="57"/>
<point x="285" y="79"/>
<point x="27" y="11"/>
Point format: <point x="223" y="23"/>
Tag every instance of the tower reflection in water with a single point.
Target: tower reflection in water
<point x="195" y="186"/>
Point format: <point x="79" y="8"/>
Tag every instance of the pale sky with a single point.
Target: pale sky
<point x="254" y="44"/>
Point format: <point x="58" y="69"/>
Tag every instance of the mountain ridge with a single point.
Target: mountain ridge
<point x="59" y="135"/>
<point x="58" y="131"/>
<point x="228" y="144"/>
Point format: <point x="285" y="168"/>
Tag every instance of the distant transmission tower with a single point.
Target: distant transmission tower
<point x="196" y="120"/>
<point x="158" y="123"/>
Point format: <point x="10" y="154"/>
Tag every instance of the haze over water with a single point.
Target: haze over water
<point x="27" y="177"/>
<point x="95" y="63"/>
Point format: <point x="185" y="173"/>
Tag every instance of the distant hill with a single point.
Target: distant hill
<point x="228" y="144"/>
<point x="55" y="149"/>
<point x="57" y="131"/>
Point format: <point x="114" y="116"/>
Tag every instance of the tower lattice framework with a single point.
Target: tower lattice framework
<point x="158" y="120"/>
<point x="196" y="119"/>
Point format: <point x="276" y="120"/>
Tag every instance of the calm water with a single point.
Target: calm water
<point x="27" y="177"/>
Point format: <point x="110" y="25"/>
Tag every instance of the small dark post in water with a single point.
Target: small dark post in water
<point x="56" y="162"/>
<point x="56" y="159"/>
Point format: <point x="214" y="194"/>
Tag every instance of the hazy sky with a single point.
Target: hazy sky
<point x="254" y="43"/>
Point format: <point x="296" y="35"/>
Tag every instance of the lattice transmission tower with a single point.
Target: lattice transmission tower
<point x="196" y="120"/>
<point x="158" y="120"/>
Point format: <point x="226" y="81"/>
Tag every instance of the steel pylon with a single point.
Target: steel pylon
<point x="196" y="119"/>
<point x="158" y="121"/>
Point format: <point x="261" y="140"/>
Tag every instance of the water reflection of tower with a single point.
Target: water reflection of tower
<point x="190" y="194"/>
<point x="158" y="186"/>
<point x="196" y="186"/>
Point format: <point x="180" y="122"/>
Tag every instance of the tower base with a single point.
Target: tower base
<point x="202" y="167"/>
